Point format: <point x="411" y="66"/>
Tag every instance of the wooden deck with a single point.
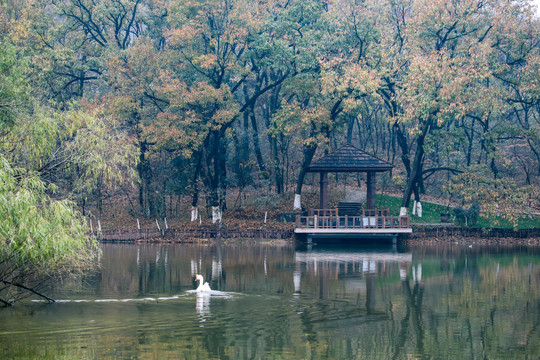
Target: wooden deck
<point x="369" y="223"/>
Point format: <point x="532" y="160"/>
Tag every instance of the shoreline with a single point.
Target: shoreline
<point x="471" y="241"/>
<point x="420" y="236"/>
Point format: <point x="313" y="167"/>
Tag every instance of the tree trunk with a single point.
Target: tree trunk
<point x="309" y="151"/>
<point x="470" y="138"/>
<point x="277" y="163"/>
<point x="222" y="175"/>
<point x="416" y="169"/>
<point x="278" y="168"/>
<point x="214" y="190"/>
<point x="404" y="146"/>
<point x="145" y="196"/>
<point x="256" y="143"/>
<point x="99" y="200"/>
<point x="195" y="196"/>
<point x="350" y="128"/>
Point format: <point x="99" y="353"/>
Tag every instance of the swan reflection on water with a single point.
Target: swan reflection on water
<point x="202" y="304"/>
<point x="202" y="300"/>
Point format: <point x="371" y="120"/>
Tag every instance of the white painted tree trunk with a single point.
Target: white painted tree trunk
<point x="403" y="211"/>
<point x="297" y="202"/>
<point x="419" y="209"/>
<point x="216" y="214"/>
<point x="194" y="213"/>
<point x="414" y="208"/>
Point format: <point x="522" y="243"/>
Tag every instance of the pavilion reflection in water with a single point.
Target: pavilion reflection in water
<point x="357" y="270"/>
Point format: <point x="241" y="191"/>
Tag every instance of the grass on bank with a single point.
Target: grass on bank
<point x="431" y="214"/>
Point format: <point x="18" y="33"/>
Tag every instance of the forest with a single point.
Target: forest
<point x="215" y="100"/>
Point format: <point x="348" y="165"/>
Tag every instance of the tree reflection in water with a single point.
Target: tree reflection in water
<point x="283" y="302"/>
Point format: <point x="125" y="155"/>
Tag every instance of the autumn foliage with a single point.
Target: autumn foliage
<point x="200" y="99"/>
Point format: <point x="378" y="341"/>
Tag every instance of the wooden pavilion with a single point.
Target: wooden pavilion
<point x="370" y="221"/>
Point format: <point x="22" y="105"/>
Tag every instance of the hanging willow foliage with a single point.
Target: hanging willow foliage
<point x="41" y="239"/>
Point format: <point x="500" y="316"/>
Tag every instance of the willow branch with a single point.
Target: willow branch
<point x="7" y="303"/>
<point x="28" y="289"/>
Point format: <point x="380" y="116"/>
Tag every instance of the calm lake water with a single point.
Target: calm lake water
<point x="282" y="302"/>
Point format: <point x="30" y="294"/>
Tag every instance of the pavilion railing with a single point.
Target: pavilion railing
<point x="368" y="218"/>
<point x="335" y="212"/>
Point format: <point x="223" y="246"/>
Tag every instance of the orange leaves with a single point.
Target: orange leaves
<point x="193" y="112"/>
<point x="184" y="35"/>
<point x="206" y="61"/>
<point x="208" y="26"/>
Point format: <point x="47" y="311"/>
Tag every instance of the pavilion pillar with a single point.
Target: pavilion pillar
<point x="324" y="190"/>
<point x="371" y="188"/>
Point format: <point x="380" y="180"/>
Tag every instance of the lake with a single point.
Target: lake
<point x="287" y="302"/>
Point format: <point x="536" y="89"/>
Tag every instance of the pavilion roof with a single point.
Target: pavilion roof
<point x="349" y="158"/>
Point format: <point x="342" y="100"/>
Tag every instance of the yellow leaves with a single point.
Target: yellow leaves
<point x="194" y="110"/>
<point x="207" y="24"/>
<point x="444" y="86"/>
<point x="497" y="197"/>
<point x="286" y="119"/>
<point x="179" y="37"/>
<point x="206" y="61"/>
<point x="224" y="116"/>
<point x="398" y="180"/>
<point x="432" y="19"/>
<point x="121" y="106"/>
<point x="345" y="77"/>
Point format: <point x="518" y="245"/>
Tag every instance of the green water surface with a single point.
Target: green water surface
<point x="283" y="302"/>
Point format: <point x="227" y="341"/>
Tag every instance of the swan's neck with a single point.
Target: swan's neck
<point x="201" y="279"/>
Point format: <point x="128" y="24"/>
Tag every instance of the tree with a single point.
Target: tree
<point x="134" y="78"/>
<point x="47" y="158"/>
<point x="217" y="94"/>
<point x="71" y="41"/>
<point x="219" y="67"/>
<point x="440" y="65"/>
<point x="496" y="197"/>
<point x="41" y="238"/>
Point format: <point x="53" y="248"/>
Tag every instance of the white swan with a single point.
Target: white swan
<point x="203" y="286"/>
